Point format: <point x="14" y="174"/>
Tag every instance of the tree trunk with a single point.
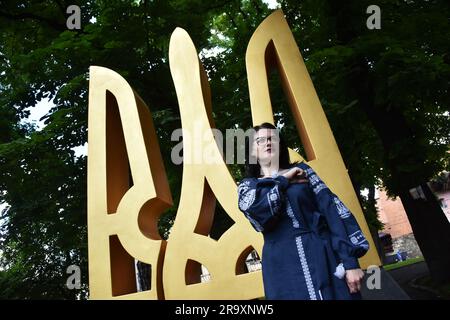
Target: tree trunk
<point x="428" y="222"/>
<point x="431" y="230"/>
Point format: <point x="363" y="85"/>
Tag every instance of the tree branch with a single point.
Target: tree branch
<point x="27" y="15"/>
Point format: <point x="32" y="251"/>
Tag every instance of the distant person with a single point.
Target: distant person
<point x="312" y="242"/>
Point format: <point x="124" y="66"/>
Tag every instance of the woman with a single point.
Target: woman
<point x="311" y="240"/>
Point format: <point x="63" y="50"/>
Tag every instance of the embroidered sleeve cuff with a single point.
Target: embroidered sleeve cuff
<point x="351" y="263"/>
<point x="283" y="182"/>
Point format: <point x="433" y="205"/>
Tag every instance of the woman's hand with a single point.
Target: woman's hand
<point x="353" y="278"/>
<point x="295" y="175"/>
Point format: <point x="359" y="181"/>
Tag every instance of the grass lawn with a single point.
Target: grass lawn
<point x="400" y="264"/>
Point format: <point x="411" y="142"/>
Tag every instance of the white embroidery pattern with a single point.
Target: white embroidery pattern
<point x="357" y="238"/>
<point x="273" y="197"/>
<point x="320" y="294"/>
<point x="246" y="196"/>
<point x="305" y="268"/>
<point x="342" y="209"/>
<point x="255" y="223"/>
<point x="290" y="213"/>
<point x="316" y="183"/>
<point x="243" y="186"/>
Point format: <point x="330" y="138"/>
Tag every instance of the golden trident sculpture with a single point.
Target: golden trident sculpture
<point x="128" y="187"/>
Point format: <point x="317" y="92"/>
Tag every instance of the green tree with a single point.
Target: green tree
<point x="394" y="82"/>
<point x="42" y="181"/>
<point x="385" y="94"/>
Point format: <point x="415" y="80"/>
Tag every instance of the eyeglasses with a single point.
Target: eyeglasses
<point x="263" y="140"/>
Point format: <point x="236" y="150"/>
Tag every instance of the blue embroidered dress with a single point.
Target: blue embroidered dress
<point x="308" y="232"/>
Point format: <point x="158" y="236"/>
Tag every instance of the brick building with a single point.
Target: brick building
<point x="393" y="215"/>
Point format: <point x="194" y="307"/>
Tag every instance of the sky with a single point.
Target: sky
<point x="273" y="4"/>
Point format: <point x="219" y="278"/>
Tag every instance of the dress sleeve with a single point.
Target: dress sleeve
<point x="348" y="241"/>
<point x="261" y="201"/>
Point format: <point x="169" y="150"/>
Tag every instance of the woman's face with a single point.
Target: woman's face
<point x="266" y="145"/>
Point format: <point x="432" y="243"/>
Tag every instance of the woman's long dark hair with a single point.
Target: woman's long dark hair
<point x="253" y="170"/>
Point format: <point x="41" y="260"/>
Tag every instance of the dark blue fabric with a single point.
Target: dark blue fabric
<point x="307" y="232"/>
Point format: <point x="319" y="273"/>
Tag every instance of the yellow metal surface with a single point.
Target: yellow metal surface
<point x="123" y="209"/>
<point x="273" y="46"/>
<point x="128" y="187"/>
<point x="202" y="183"/>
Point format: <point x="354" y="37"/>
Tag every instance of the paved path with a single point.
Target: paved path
<point x="398" y="284"/>
<point x="405" y="275"/>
